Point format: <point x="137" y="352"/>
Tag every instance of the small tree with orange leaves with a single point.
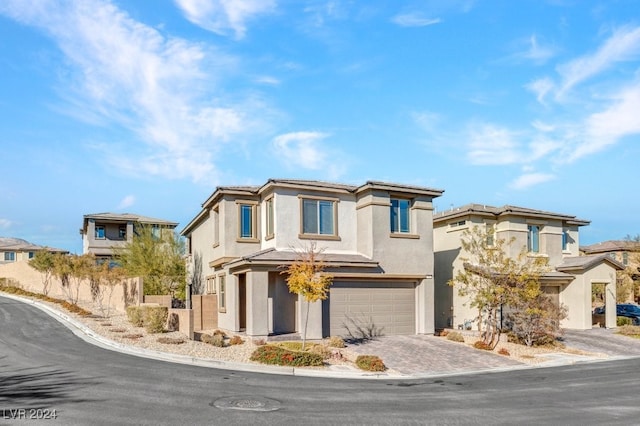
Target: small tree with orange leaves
<point x="305" y="278"/>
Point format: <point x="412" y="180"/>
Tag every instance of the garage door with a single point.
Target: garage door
<point x="390" y="307"/>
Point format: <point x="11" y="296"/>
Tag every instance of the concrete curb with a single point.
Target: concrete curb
<point x="91" y="337"/>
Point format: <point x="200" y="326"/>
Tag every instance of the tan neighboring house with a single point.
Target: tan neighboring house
<point x="628" y="254"/>
<point x="101" y="232"/>
<point x="377" y="242"/>
<point x="553" y="236"/>
<point x="17" y="249"/>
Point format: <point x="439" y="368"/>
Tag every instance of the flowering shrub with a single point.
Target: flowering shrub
<point x="275" y="355"/>
<point x="482" y="345"/>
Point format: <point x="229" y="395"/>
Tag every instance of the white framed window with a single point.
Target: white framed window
<point x="100" y="232"/>
<point x="222" y="293"/>
<point x="155" y="231"/>
<point x="9" y="256"/>
<point x="269" y="219"/>
<point x="247" y="221"/>
<point x="211" y="284"/>
<point x="319" y="217"/>
<point x="533" y="238"/>
<point x="400" y="215"/>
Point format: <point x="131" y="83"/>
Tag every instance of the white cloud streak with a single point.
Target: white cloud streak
<point x="129" y="74"/>
<point x="5" y="223"/>
<point x="528" y="180"/>
<point x="623" y="45"/>
<point x="225" y="17"/>
<point x="306" y="150"/>
<point x="127" y="202"/>
<point x="414" y="20"/>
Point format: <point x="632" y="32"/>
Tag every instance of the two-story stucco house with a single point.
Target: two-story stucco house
<point x="550" y="235"/>
<point x="377" y="242"/>
<point x="101" y="232"/>
<point x="17" y="249"/>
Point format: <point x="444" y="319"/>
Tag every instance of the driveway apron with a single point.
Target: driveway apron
<point x="430" y="355"/>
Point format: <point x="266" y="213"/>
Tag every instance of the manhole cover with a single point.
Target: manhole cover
<point x="250" y="403"/>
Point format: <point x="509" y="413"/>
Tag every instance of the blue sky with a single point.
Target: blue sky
<point x="146" y="106"/>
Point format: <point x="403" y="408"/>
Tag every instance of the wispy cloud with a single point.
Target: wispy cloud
<point x="528" y="180"/>
<point x="492" y="145"/>
<point x="129" y="74"/>
<point x="414" y="20"/>
<point x="127" y="202"/>
<point x="5" y="223"/>
<point x="225" y="16"/>
<point x="306" y="150"/>
<point x="623" y="45"/>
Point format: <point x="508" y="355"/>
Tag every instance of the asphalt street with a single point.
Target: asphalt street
<point x="45" y="369"/>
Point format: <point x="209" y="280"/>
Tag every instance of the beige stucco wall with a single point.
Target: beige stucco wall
<point x="576" y="296"/>
<point x="31" y="280"/>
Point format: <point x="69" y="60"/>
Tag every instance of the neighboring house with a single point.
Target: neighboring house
<point x="377" y="242"/>
<point x="17" y="249"/>
<point x="102" y="232"/>
<point x="626" y="252"/>
<point x="553" y="236"/>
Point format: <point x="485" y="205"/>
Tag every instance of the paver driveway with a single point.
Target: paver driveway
<point x="430" y="355"/>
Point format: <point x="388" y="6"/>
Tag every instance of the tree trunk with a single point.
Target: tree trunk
<point x="306" y="321"/>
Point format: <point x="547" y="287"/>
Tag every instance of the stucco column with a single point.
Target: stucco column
<point x="314" y="326"/>
<point x="610" y="303"/>
<point x="426" y="302"/>
<point x="257" y="283"/>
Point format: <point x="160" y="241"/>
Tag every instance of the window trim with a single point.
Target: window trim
<point x="253" y="205"/>
<point x="222" y="293"/>
<point x="533" y="244"/>
<point x="121" y="235"/>
<point x="210" y="281"/>
<point x="269" y="209"/>
<point x="9" y="256"/>
<point x="318" y="236"/>
<point x="398" y="229"/>
<point x="104" y="232"/>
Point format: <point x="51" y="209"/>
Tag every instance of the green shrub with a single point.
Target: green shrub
<point x="277" y="355"/>
<point x="135" y="315"/>
<point x="336" y="342"/>
<point x="370" y="363"/>
<point x="215" y="340"/>
<point x="155" y="318"/>
<point x="482" y="345"/>
<point x="292" y="346"/>
<point x="454" y="336"/>
<point x="621" y="321"/>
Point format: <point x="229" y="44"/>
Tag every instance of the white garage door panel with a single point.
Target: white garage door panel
<point x="390" y="306"/>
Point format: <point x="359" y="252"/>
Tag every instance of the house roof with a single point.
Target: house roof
<point x="581" y="263"/>
<point x="611" y="246"/>
<point x="491" y="211"/>
<point x="129" y="217"/>
<point x="276" y="257"/>
<point x="18" y="244"/>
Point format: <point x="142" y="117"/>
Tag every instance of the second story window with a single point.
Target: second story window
<point x="247" y="221"/>
<point x="491" y="235"/>
<point x="122" y="232"/>
<point x="400" y="215"/>
<point x="155" y="231"/>
<point x="318" y="217"/>
<point x="533" y="238"/>
<point x="565" y="240"/>
<point x="100" y="233"/>
<point x="625" y="258"/>
<point x="269" y="218"/>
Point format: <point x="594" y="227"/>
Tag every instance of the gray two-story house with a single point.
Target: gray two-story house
<point x="552" y="236"/>
<point x="376" y="241"/>
<point x="102" y="232"/>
